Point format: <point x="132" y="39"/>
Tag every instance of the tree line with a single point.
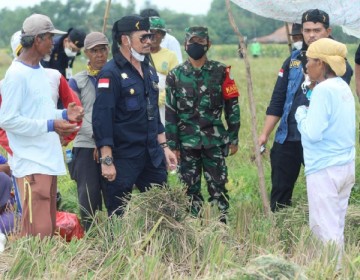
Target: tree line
<point x="83" y="15"/>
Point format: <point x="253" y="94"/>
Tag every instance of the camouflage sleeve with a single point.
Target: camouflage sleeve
<point x="171" y="113"/>
<point x="232" y="116"/>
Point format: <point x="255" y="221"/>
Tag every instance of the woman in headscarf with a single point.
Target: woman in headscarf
<point x="327" y="130"/>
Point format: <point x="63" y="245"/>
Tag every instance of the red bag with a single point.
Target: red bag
<point x="69" y="226"/>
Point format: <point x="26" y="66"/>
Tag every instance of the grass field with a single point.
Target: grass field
<point x="156" y="239"/>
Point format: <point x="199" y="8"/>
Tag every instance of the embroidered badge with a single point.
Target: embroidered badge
<point x="132" y="91"/>
<point x="104" y="83"/>
<point x="124" y="76"/>
<point x="281" y="73"/>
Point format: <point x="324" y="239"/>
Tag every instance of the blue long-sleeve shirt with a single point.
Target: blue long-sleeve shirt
<point x="327" y="127"/>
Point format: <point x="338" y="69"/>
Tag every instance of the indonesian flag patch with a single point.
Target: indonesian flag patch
<point x="281" y="73"/>
<point x="229" y="88"/>
<point x="104" y="83"/>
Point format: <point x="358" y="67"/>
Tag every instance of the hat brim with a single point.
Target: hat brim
<point x="57" y="31"/>
<point x="96" y="44"/>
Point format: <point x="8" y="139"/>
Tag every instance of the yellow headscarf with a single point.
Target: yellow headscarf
<point x="331" y="52"/>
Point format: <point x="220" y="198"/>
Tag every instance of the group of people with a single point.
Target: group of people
<point x="142" y="113"/>
<point x="315" y="107"/>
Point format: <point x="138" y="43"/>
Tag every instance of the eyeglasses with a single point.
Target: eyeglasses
<point x="101" y="50"/>
<point x="145" y="37"/>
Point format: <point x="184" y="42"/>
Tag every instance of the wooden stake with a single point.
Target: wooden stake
<point x="106" y="16"/>
<point x="288" y="36"/>
<point x="258" y="159"/>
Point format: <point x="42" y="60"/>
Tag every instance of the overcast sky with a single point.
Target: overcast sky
<point x="194" y="7"/>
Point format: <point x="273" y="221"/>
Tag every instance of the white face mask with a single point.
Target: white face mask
<point x="135" y="54"/>
<point x="298" y="45"/>
<point x="69" y="52"/>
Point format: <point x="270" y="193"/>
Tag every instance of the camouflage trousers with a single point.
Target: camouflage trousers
<point x="212" y="162"/>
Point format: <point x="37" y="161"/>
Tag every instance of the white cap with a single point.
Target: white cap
<point x="15" y="43"/>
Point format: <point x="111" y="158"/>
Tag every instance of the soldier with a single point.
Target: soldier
<point x="197" y="91"/>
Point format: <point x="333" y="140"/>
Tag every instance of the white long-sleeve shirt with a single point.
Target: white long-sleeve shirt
<point x="327" y="127"/>
<point x="26" y="107"/>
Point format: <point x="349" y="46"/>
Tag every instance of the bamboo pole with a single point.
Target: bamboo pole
<point x="258" y="159"/>
<point x="106" y="15"/>
<point x="288" y="36"/>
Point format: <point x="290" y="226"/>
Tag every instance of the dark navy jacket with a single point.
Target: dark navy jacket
<point x="288" y="95"/>
<point x="120" y="118"/>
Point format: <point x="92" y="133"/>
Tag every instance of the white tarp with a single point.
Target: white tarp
<point x="345" y="13"/>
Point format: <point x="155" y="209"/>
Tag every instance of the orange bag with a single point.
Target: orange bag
<point x="69" y="226"/>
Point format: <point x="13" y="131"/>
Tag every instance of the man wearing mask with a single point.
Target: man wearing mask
<point x="293" y="88"/>
<point x="66" y="48"/>
<point x="296" y="36"/>
<point x="197" y="93"/>
<point x="126" y="121"/>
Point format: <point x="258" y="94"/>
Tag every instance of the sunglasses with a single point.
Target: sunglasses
<point x="147" y="36"/>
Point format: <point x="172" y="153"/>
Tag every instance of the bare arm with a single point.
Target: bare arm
<point x="270" y="122"/>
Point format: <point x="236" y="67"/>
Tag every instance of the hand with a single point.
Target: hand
<point x="64" y="128"/>
<point x="63" y="141"/>
<point x="75" y="113"/>
<point x="171" y="159"/>
<point x="108" y="172"/>
<point x="162" y="98"/>
<point x="262" y="140"/>
<point x="177" y="154"/>
<point x="96" y="155"/>
<point x="233" y="149"/>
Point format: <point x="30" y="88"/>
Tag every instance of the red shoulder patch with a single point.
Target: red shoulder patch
<point x="229" y="88"/>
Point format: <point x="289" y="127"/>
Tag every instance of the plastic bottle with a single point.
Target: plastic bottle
<point x="68" y="156"/>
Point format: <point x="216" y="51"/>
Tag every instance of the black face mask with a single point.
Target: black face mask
<point x="196" y="50"/>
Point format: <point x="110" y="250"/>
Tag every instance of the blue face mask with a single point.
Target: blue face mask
<point x="196" y="50"/>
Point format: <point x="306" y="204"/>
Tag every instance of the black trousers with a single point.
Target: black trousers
<point x="286" y="160"/>
<point x="90" y="184"/>
<point x="129" y="172"/>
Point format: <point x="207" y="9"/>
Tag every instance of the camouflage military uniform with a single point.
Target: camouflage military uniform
<point x="194" y="105"/>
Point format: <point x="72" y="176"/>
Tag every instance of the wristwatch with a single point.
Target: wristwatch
<point x="108" y="160"/>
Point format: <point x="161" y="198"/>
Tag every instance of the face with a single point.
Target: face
<point x="314" y="31"/>
<point x="297" y="38"/>
<point x="141" y="41"/>
<point x="97" y="56"/>
<point x="158" y="36"/>
<point x="70" y="45"/>
<point x="45" y="44"/>
<point x="315" y="69"/>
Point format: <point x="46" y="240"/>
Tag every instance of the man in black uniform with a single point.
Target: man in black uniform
<point x="66" y="48"/>
<point x="292" y="89"/>
<point x="126" y="121"/>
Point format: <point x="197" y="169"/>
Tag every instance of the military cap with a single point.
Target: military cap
<point x="196" y="31"/>
<point x="315" y="16"/>
<point x="77" y="37"/>
<point x="132" y="23"/>
<point x="157" y="23"/>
